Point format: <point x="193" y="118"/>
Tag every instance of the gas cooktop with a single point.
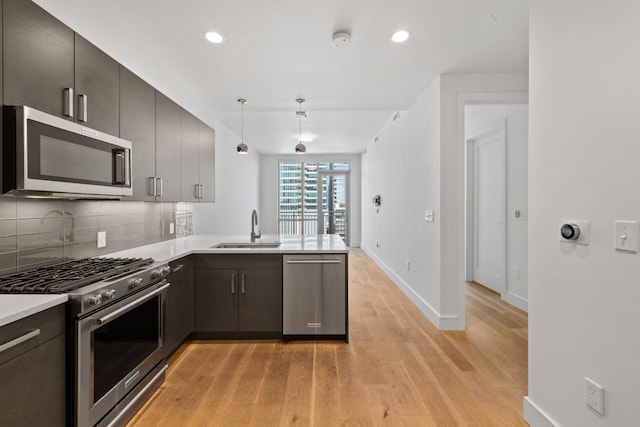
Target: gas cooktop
<point x="68" y="276"/>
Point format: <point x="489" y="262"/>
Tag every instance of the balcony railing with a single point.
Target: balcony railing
<point x="308" y="224"/>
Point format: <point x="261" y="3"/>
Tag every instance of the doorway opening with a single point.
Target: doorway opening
<point x="496" y="138"/>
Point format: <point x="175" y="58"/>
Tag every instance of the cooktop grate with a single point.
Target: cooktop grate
<point x="69" y="275"/>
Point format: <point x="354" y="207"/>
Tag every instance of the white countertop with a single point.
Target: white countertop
<point x="170" y="250"/>
<point x="16" y="307"/>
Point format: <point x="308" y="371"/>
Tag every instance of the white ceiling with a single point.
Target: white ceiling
<point x="280" y="50"/>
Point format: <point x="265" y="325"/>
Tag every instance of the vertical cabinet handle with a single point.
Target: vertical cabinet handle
<point x="68" y="102"/>
<point x="83" y="100"/>
<point x="233" y="283"/>
<point x="152" y="186"/>
<point x="242" y="289"/>
<point x="202" y="191"/>
<point x="196" y="191"/>
<point x="159" y="186"/>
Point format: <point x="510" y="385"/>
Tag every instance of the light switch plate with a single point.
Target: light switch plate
<point x="102" y="239"/>
<point x="428" y="215"/>
<point x="626" y="236"/>
<point x="172" y="228"/>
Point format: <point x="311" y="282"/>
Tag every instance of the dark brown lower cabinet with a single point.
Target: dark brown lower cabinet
<point x="179" y="314"/>
<point x="238" y="296"/>
<point x="32" y="373"/>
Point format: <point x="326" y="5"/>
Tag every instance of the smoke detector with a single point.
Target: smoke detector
<point x="341" y="39"/>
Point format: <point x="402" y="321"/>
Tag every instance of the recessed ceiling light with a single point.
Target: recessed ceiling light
<point x="400" y="36"/>
<point x="306" y="137"/>
<point x="214" y="37"/>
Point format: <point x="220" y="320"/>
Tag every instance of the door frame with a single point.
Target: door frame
<point x="347" y="175"/>
<point x="496" y="127"/>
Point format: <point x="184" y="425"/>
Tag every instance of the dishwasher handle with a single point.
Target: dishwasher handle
<point x="314" y="261"/>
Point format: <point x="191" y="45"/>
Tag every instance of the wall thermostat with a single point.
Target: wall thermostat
<point x="570" y="231"/>
<point x="376" y="200"/>
<point x="574" y="231"/>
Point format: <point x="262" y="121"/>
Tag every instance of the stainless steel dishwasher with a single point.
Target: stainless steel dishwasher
<point x="314" y="296"/>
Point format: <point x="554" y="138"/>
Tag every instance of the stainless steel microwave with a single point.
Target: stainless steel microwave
<point x="47" y="156"/>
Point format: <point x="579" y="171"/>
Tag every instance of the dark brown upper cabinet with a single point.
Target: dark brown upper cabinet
<point x="50" y="68"/>
<point x="198" y="160"/>
<point x="138" y="125"/>
<point x="96" y="88"/>
<point x="168" y="146"/>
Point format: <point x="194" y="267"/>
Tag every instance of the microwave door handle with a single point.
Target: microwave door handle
<point x="121" y="161"/>
<point x="127" y="168"/>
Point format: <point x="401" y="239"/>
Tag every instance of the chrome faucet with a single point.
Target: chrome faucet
<point x="254" y="221"/>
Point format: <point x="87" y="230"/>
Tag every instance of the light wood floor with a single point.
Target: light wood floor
<point x="398" y="369"/>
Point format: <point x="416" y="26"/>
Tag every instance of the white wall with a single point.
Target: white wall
<point x="584" y="301"/>
<point x="515" y="117"/>
<point x="237" y="189"/>
<point x="422" y="166"/>
<point x="403" y="166"/>
<point x="269" y="188"/>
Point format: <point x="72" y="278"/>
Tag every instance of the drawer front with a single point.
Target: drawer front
<point x="31" y="331"/>
<point x="33" y="387"/>
<point x="239" y="261"/>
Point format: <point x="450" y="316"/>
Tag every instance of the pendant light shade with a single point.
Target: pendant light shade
<point x="242" y="147"/>
<point x="300" y="147"/>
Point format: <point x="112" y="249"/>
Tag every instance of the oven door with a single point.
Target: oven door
<point x="116" y="348"/>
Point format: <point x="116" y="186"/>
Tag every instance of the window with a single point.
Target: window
<point x="299" y="196"/>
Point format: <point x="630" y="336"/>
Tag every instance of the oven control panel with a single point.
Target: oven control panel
<point x="104" y="292"/>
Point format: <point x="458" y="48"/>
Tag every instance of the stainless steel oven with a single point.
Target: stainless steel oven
<point x="44" y="155"/>
<point x="119" y="353"/>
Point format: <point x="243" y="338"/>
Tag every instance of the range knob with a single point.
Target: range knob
<point x="109" y="294"/>
<point x="94" y="299"/>
<point x="135" y="283"/>
<point x="160" y="273"/>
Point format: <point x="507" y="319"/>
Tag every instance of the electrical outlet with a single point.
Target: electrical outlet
<point x="102" y="239"/>
<point x="594" y="396"/>
<point x="172" y="228"/>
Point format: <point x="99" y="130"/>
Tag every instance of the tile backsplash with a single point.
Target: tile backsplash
<point x="34" y="232"/>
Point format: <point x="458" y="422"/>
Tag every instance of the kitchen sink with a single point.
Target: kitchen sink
<point x="243" y="245"/>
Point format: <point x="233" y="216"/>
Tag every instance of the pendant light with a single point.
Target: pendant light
<point x="300" y="148"/>
<point x="242" y="147"/>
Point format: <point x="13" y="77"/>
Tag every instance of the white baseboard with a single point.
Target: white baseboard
<point x="516" y="301"/>
<point x="534" y="416"/>
<point x="441" y="322"/>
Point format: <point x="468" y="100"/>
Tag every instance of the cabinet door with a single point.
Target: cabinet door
<point x="207" y="163"/>
<point x="167" y="148"/>
<point x="33" y="386"/>
<point x="217" y="300"/>
<point x="190" y="161"/>
<point x="260" y="300"/>
<point x="38" y="57"/>
<point x="97" y="78"/>
<point x="138" y="125"/>
<point x="180" y="314"/>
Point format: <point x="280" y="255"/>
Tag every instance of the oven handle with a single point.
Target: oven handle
<point x="132" y="304"/>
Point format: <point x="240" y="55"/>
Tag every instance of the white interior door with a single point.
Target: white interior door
<point x="489" y="210"/>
